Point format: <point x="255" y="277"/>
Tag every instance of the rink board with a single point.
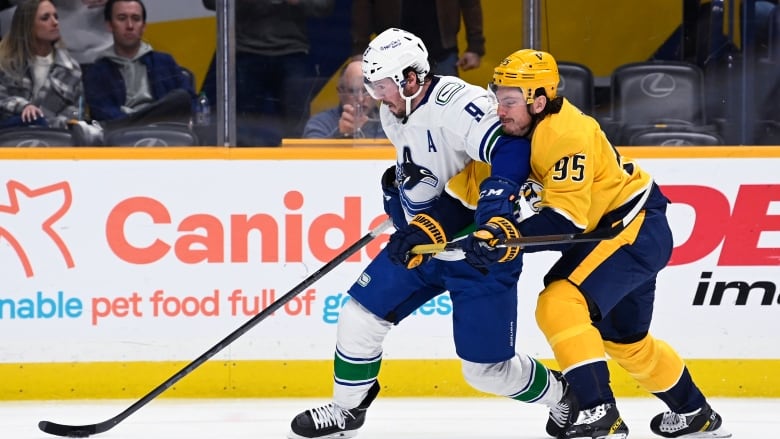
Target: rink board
<point x="121" y="265"/>
<point x="313" y="378"/>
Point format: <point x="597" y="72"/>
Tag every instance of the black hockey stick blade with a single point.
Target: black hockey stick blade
<point x="56" y="429"/>
<point x="528" y="241"/>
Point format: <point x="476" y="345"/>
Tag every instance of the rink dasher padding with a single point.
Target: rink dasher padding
<point x="313" y="378"/>
<point x="127" y="263"/>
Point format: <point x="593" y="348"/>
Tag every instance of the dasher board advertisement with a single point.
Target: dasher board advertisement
<point x="156" y="259"/>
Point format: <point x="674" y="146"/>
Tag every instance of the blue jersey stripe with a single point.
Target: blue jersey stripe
<point x="489" y="141"/>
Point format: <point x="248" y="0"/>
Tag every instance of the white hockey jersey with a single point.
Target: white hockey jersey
<point x="446" y="132"/>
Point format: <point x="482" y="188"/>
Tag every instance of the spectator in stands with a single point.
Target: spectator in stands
<point x="274" y="80"/>
<point x="356" y="116"/>
<point x="40" y="83"/>
<point x="437" y="23"/>
<point x="131" y="84"/>
<point x="82" y="27"/>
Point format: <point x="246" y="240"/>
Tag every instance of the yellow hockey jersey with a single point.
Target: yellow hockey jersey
<point x="576" y="171"/>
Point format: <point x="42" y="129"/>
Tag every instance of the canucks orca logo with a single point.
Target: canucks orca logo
<point x="414" y="174"/>
<point x="532" y="192"/>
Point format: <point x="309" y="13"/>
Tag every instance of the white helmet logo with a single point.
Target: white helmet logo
<point x="391" y="45"/>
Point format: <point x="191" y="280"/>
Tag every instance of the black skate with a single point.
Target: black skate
<point x="332" y="421"/>
<point x="702" y="423"/>
<point x="600" y="422"/>
<point x="565" y="412"/>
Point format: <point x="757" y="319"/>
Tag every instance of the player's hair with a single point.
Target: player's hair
<point x="108" y="10"/>
<point x="553" y="105"/>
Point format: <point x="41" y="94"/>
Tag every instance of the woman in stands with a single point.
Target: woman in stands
<point x="40" y="83"/>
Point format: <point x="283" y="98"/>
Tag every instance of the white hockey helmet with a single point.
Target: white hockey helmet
<point x="392" y="52"/>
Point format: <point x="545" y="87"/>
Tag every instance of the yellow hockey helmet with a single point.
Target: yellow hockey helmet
<point x="528" y="69"/>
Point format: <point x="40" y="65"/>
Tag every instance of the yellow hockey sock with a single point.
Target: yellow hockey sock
<point x="653" y="363"/>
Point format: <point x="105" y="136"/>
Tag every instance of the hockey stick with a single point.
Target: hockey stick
<point x="87" y="430"/>
<point x="528" y="241"/>
<point x="566" y="238"/>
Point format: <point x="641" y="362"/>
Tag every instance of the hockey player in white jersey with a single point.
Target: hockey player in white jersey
<point x="435" y="123"/>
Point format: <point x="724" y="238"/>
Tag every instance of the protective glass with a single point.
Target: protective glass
<point x="359" y="92"/>
<point x="381" y="88"/>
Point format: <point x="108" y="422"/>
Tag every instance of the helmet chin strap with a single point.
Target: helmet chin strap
<point x="409" y="99"/>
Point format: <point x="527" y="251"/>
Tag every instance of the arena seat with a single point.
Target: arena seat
<point x="657" y="95"/>
<point x="159" y="135"/>
<point x="577" y="85"/>
<point x="674" y="137"/>
<point x="34" y="136"/>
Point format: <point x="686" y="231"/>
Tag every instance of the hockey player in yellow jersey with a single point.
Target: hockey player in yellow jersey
<point x="598" y="296"/>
